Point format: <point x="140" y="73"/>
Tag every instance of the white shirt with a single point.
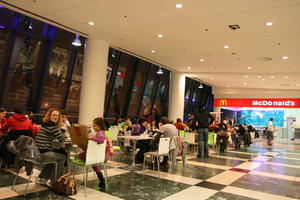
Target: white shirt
<point x="270" y="126"/>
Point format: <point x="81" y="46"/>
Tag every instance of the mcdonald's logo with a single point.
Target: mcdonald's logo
<point x="223" y="102"/>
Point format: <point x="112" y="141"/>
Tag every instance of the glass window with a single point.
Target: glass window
<point x="4" y="35"/>
<point x="6" y="16"/>
<point x="74" y="96"/>
<point x="137" y="90"/>
<point x="59" y="62"/>
<point x="121" y="85"/>
<point x="146" y="102"/>
<point x="19" y="89"/>
<point x="77" y="72"/>
<point x="31" y="25"/>
<point x="53" y="92"/>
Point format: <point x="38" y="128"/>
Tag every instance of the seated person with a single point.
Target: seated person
<point x="222" y="136"/>
<point x="241" y="131"/>
<point x="152" y="126"/>
<point x="126" y="125"/>
<point x="64" y="124"/>
<point x="99" y="127"/>
<point x="49" y="141"/>
<point x="143" y="145"/>
<point x="179" y="125"/>
<point x="2" y="118"/>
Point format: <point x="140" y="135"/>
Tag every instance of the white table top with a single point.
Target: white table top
<point x="134" y="137"/>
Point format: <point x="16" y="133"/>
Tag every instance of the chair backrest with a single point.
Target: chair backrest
<point x="190" y="138"/>
<point x="115" y="133"/>
<point x="181" y="133"/>
<point x="109" y="134"/>
<point x="164" y="146"/>
<point x="95" y="153"/>
<point x="211" y="137"/>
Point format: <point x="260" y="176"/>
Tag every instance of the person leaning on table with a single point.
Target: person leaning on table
<point x="50" y="142"/>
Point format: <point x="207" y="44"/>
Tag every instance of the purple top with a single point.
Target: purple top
<point x="138" y="130"/>
<point x="99" y="137"/>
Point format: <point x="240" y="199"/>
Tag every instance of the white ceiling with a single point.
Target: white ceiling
<point x="198" y="30"/>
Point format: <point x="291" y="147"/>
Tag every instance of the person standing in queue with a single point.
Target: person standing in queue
<point x="204" y="119"/>
<point x="270" y="131"/>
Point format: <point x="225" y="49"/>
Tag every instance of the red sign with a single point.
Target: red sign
<point x="263" y="103"/>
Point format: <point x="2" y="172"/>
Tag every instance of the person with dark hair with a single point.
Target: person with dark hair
<point x="64" y="124"/>
<point x="117" y="121"/>
<point x="50" y="143"/>
<point x="270" y="131"/>
<point x="203" y="119"/>
<point x="140" y="127"/>
<point x="179" y="124"/>
<point x="222" y="136"/>
<point x="143" y="145"/>
<point x="99" y="127"/>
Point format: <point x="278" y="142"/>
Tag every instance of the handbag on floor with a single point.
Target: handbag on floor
<point x="65" y="185"/>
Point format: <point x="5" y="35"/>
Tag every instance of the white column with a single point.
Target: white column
<point x="93" y="83"/>
<point x="176" y="96"/>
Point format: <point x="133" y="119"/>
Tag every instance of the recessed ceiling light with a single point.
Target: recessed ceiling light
<point x="298" y="85"/>
<point x="153" y="51"/>
<point x="227" y="85"/>
<point x="202" y="60"/>
<point x="189" y="68"/>
<point x="91" y="23"/>
<point x="263" y="79"/>
<point x="258" y="76"/>
<point x="284" y="57"/>
<point x="226" y="46"/>
<point x="212" y="78"/>
<point x="285" y="76"/>
<point x="249" y="67"/>
<point x="272" y="76"/>
<point x="269" y="23"/>
<point x="160" y="35"/>
<point x="179" y="5"/>
<point x="272" y="87"/>
<point x="246" y="76"/>
<point x="245" y="83"/>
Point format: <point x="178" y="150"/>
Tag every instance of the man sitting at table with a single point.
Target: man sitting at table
<point x="166" y="130"/>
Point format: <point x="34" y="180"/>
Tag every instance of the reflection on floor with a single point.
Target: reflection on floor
<point x="259" y="172"/>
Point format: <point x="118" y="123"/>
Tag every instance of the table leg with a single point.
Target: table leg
<point x="133" y="152"/>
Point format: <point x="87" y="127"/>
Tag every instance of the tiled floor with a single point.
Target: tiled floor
<point x="259" y="172"/>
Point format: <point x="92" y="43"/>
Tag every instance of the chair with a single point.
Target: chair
<point x="190" y="138"/>
<point x="95" y="155"/>
<point x="181" y="133"/>
<point x="212" y="139"/>
<point x="163" y="150"/>
<point x="113" y="136"/>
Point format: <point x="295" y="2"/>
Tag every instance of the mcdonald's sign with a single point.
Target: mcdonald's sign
<point x="264" y="103"/>
<point x="223" y="102"/>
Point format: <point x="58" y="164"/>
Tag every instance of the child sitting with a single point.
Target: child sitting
<point x="99" y="127"/>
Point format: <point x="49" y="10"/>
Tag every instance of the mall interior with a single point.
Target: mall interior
<point x="175" y="78"/>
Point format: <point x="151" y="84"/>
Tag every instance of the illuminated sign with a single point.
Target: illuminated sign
<point x="267" y="103"/>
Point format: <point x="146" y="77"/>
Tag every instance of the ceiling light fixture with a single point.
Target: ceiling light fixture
<point x="91" y="23"/>
<point x="272" y="76"/>
<point x="30" y="26"/>
<point x="160" y="71"/>
<point x="189" y="68"/>
<point x="212" y="78"/>
<point x="160" y="35"/>
<point x="258" y="76"/>
<point x="227" y="85"/>
<point x="285" y="77"/>
<point x="179" y="5"/>
<point x="263" y="79"/>
<point x="226" y="47"/>
<point x="245" y="83"/>
<point x="249" y="68"/>
<point x="76" y="42"/>
<point x="269" y="23"/>
<point x="284" y="57"/>
<point x="298" y="85"/>
<point x="201" y="60"/>
<point x="246" y="76"/>
<point x="200" y="86"/>
<point x="153" y="51"/>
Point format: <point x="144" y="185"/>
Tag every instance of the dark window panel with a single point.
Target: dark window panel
<point x="6" y="16"/>
<point x="59" y="62"/>
<point x="30" y="25"/>
<point x="121" y="84"/>
<point x="73" y="100"/>
<point x="53" y="92"/>
<point x="77" y="72"/>
<point x="22" y="88"/>
<point x="4" y="35"/>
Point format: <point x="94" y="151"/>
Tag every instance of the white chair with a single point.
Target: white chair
<point x="190" y="138"/>
<point x="95" y="155"/>
<point x="163" y="150"/>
